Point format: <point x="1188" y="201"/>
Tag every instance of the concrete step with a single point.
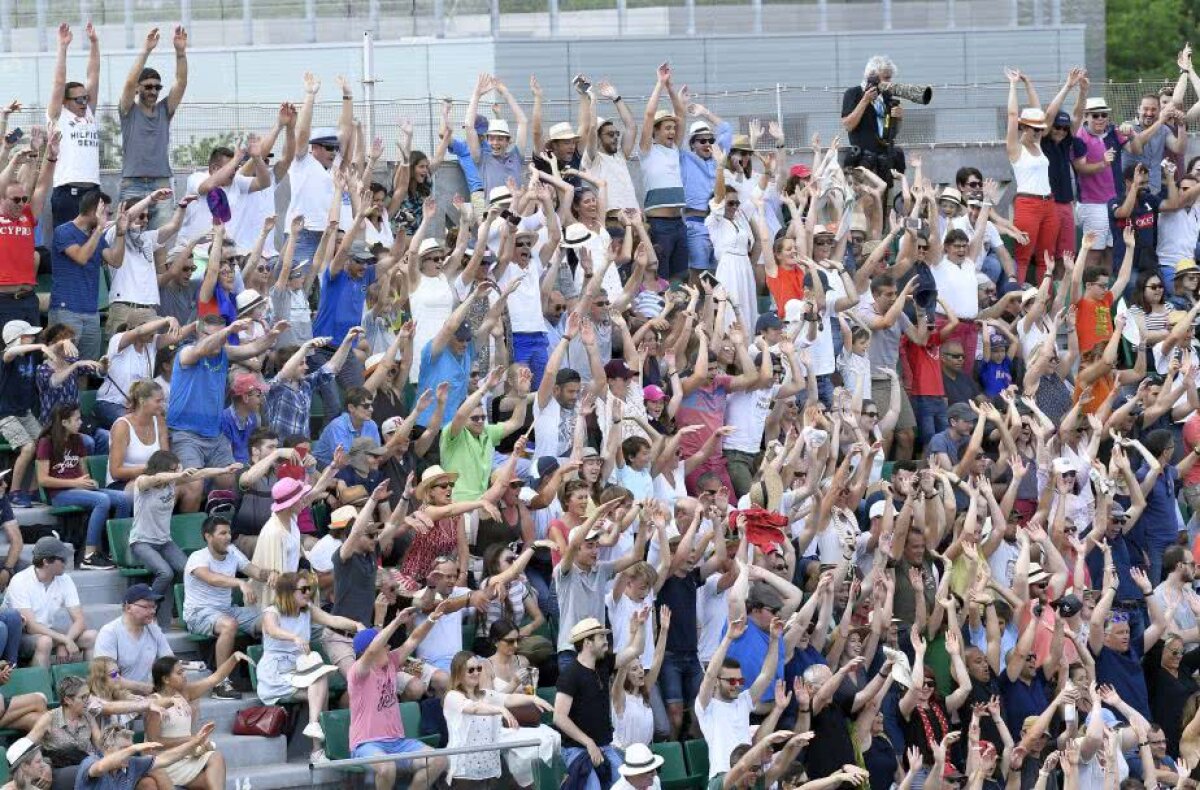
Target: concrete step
<point x="286" y="775"/>
<point x="97" y="614"/>
<point x="38" y="514"/>
<point x="249" y="751"/>
<point x="180" y="644"/>
<point x="100" y="587"/>
<point x="223" y="711"/>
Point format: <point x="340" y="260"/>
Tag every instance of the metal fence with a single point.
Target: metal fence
<point x="29" y="24"/>
<point x="959" y="115"/>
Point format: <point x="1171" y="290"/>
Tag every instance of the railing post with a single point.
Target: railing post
<point x="310" y="20"/>
<point x="690" y="8"/>
<point x="887" y="14"/>
<point x="373" y="17"/>
<point x="6" y="23"/>
<point x="823" y="15"/>
<point x="622" y="12"/>
<point x="552" y="10"/>
<point x="247" y="22"/>
<point x="756" y="15"/>
<point x="43" y="39"/>
<point x="439" y="18"/>
<point x="1055" y="12"/>
<point x="950" y="13"/>
<point x="85" y="12"/>
<point x="779" y="110"/>
<point x="494" y="13"/>
<point x="185" y="13"/>
<point x="127" y="23"/>
<point x="1015" y="18"/>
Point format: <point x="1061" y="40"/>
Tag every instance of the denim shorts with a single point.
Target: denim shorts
<point x="680" y="676"/>
<point x="392" y="746"/>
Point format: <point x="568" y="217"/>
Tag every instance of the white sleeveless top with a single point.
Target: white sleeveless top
<point x="79" y="149"/>
<point x="636" y="725"/>
<point x="1032" y="173"/>
<point x="431" y="303"/>
<point x="138" y="452"/>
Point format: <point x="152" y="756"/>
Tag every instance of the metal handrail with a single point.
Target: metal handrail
<point x="351" y="762"/>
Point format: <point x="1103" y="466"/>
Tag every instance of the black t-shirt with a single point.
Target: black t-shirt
<point x="1145" y="231"/>
<point x="590" y="706"/>
<point x="679" y="595"/>
<point x="354" y="586"/>
<point x="961" y="389"/>
<point x="17" y="391"/>
<point x="1062" y="175"/>
<point x="830" y="727"/>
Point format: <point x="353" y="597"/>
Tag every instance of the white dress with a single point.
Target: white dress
<point x="431" y="304"/>
<point x="635" y="725"/>
<point x="521" y="760"/>
<point x="731" y="246"/>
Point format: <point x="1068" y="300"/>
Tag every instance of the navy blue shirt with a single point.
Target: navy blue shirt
<point x="1023" y="699"/>
<point x="1062" y="175"/>
<point x="74" y="287"/>
<point x="1124" y="558"/>
<point x="1158" y="527"/>
<point x="18" y="393"/>
<point x="678" y="594"/>
<point x="1145" y="231"/>
<point x="1123" y="671"/>
<point x="341" y="305"/>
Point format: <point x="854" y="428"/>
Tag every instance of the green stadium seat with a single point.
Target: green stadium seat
<point x="185" y="531"/>
<point x="410" y="714"/>
<point x="255" y="652"/>
<point x="673" y="774"/>
<point x="336" y="724"/>
<point x="118" y="543"/>
<point x="87" y="403"/>
<point x="28" y="680"/>
<point x="177" y="592"/>
<point x="79" y="669"/>
<point x="337" y="683"/>
<point x="547" y="693"/>
<point x="697" y="760"/>
<point x="97" y="466"/>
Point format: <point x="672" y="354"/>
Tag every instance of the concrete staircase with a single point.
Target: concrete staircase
<point x="268" y="763"/>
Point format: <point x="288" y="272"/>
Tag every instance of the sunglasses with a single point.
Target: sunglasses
<point x="1155" y="286"/>
<point x="735" y="681"/>
<point x="80" y="100"/>
<point x="263" y="267"/>
<point x="188" y="269"/>
<point x="872" y="414"/>
<point x="732" y="203"/>
<point x="524" y="245"/>
<point x="706" y="140"/>
<point x="20" y="201"/>
<point x="923" y="248"/>
<point x="823" y="242"/>
<point x="474" y="670"/>
<point x="974" y="184"/>
<point x="304" y="589"/>
<point x="1062" y="128"/>
<point x="1097" y="115"/>
<point x="330" y="148"/>
<point x="477" y="418"/>
<point x="152" y="86"/>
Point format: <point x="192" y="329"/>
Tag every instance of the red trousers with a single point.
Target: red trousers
<point x="1038" y="219"/>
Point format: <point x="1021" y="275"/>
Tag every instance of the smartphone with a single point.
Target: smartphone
<point x="13" y="136"/>
<point x="710" y="278"/>
<point x="581" y="85"/>
<point x="914" y="224"/>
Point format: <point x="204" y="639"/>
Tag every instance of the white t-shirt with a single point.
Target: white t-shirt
<point x="747" y="412"/>
<point x="726" y="725"/>
<point x="320" y="556"/>
<point x="1177" y="231"/>
<point x="125" y="367"/>
<point x="78" y="150"/>
<point x="619" y="614"/>
<point x="712" y="612"/>
<point x="821" y="347"/>
<point x="198" y="594"/>
<point x="136" y="280"/>
<point x="1002" y="561"/>
<point x="197" y="218"/>
<point x="614" y="170"/>
<point x="525" y="304"/>
<point x="247" y="221"/>
<point x="46" y="600"/>
<point x="957" y="286"/>
<point x="312" y="190"/>
<point x="545" y="428"/>
<point x="445" y="638"/>
<point x="991" y="236"/>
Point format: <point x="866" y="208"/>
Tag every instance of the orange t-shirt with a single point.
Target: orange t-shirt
<point x="786" y="285"/>
<point x="1099" y="390"/>
<point x="1093" y="321"/>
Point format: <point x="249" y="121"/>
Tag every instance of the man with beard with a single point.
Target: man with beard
<point x="582" y="712"/>
<point x="1179" y="571"/>
<point x="607" y="149"/>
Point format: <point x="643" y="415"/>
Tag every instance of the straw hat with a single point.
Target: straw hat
<point x="434" y="475"/>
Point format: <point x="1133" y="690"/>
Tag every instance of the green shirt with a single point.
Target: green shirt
<point x="471" y="457"/>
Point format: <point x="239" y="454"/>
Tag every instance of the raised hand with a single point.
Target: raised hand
<point x="180" y="39"/>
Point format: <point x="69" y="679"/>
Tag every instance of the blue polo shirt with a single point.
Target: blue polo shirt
<point x="700" y="175"/>
<point x="341" y="305"/>
<point x="1123" y="561"/>
<point x="198" y="395"/>
<point x="750" y="649"/>
<point x="341" y="431"/>
<point x="449" y="368"/>
<point x="1158" y="527"/>
<point x="1123" y="671"/>
<point x="74" y="287"/>
<point x="1023" y="699"/>
<point x="238" y="435"/>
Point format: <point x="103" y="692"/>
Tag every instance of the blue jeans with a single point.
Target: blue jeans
<point x="10" y="635"/>
<point x="670" y="245"/>
<point x="306" y="245"/>
<point x="611" y="756"/>
<point x="930" y="411"/>
<point x="139" y="188"/>
<point x="166" y="561"/>
<point x="107" y="413"/>
<point x="679" y="680"/>
<point x="825" y="389"/>
<point x="99" y="502"/>
<point x="64" y="201"/>
<point x="699" y="245"/>
<point x="991" y="267"/>
<point x="532" y="349"/>
<point x="547" y="595"/>
<point x="87" y="330"/>
<point x="96" y="444"/>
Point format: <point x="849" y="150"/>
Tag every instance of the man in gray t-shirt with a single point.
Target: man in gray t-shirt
<point x="1156" y="134"/>
<point x="134" y="640"/>
<point x="884" y="315"/>
<point x="146" y="123"/>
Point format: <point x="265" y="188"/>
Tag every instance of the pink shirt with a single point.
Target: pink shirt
<point x="374" y="710"/>
<point x="705" y="407"/>
<point x="1191" y="438"/>
<point x="1095" y="187"/>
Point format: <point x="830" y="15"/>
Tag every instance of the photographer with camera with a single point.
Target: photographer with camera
<point x="871" y="116"/>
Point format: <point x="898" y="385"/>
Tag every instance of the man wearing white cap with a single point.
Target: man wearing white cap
<point x="606" y="149"/>
<point x="310" y="176"/>
<point x="640" y="769"/>
<point x="662" y="180"/>
<point x="501" y="158"/>
<point x="698" y="168"/>
<point x="1098" y="175"/>
<point x="26" y="767"/>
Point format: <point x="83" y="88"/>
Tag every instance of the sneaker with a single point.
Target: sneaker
<point x="225" y="690"/>
<point x="97" y="561"/>
<point x="313" y="730"/>
<point x="20" y="499"/>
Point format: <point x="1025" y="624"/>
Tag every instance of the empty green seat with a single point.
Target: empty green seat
<point x="697" y="760"/>
<point x="118" y="543"/>
<point x="28" y="680"/>
<point x="410" y="714"/>
<point x="97" y="466"/>
<point x="255" y="652"/>
<point x="673" y="774"/>
<point x="79" y="669"/>
<point x="336" y="724"/>
<point x="87" y="403"/>
<point x="185" y="531"/>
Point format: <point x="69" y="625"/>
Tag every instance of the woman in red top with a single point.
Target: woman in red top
<point x="61" y="471"/>
<point x="781" y="261"/>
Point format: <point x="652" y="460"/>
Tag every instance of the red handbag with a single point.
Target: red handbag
<point x="263" y="720"/>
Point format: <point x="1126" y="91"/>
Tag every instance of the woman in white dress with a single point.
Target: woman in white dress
<point x="735" y="245"/>
<point x="430" y="293"/>
<point x="632" y="717"/>
<point x="204" y="769"/>
<point x="474" y="714"/>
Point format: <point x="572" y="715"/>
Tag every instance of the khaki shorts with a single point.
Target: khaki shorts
<point x="340" y="649"/>
<point x="881" y="393"/>
<point x="124" y="313"/>
<point x="20" y="430"/>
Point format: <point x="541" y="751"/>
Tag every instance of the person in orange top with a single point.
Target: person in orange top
<point x="1094" y="322"/>
<point x="1097" y="377"/>
<point x="781" y="262"/>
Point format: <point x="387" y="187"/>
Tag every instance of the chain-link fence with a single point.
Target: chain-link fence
<point x="958" y="115"/>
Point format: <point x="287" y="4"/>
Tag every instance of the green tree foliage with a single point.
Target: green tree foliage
<point x="1144" y="36"/>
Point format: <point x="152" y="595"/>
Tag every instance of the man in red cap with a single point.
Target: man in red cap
<point x="241" y="417"/>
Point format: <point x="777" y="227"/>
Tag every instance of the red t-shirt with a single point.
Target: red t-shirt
<point x="924" y="365"/>
<point x="786" y="285"/>
<point x="1191" y="438"/>
<point x="68" y="466"/>
<point x="1093" y="321"/>
<point x="17" y="256"/>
